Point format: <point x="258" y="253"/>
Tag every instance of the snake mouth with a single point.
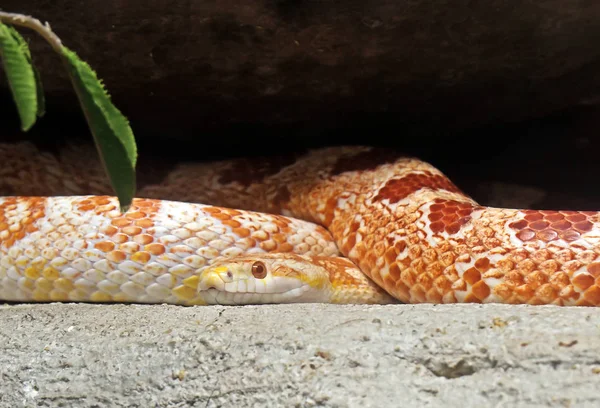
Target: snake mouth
<point x="226" y="295"/>
<point x="220" y="287"/>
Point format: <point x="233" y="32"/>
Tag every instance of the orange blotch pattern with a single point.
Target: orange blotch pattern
<point x="30" y="210"/>
<point x="552" y="225"/>
<point x="397" y="189"/>
<point x="449" y="215"/>
<point x="125" y="231"/>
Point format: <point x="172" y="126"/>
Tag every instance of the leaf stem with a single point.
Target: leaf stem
<point x="36" y="25"/>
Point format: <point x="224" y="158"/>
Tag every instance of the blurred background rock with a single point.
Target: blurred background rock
<point x="498" y="93"/>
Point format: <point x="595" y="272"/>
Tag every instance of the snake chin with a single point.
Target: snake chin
<point x="214" y="296"/>
<point x="284" y="290"/>
<point x="222" y="287"/>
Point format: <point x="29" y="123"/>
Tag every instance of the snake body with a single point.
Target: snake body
<point x="348" y="224"/>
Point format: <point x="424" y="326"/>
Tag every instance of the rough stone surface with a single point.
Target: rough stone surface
<point x="299" y="355"/>
<point x="208" y="65"/>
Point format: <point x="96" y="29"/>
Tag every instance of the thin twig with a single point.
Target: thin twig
<point x="34" y="24"/>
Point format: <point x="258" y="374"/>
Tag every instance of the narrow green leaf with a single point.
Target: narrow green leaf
<point x="41" y="100"/>
<point x="112" y="133"/>
<point x="21" y="75"/>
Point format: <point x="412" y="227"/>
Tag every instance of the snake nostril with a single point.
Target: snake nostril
<point x="229" y="275"/>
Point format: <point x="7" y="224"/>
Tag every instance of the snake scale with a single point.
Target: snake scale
<point x="341" y="224"/>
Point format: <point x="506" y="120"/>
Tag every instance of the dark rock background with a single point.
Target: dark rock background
<point x="503" y="91"/>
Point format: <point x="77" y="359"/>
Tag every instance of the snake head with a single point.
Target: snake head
<point x="264" y="278"/>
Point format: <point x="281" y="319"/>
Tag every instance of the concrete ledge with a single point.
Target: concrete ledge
<point x="299" y="355"/>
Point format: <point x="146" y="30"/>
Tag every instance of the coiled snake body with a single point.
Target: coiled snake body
<point x="340" y="224"/>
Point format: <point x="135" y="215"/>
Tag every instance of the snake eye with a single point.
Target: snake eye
<point x="259" y="270"/>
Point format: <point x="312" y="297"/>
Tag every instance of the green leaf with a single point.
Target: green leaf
<point x="112" y="133"/>
<point x="41" y="101"/>
<point x="23" y="79"/>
